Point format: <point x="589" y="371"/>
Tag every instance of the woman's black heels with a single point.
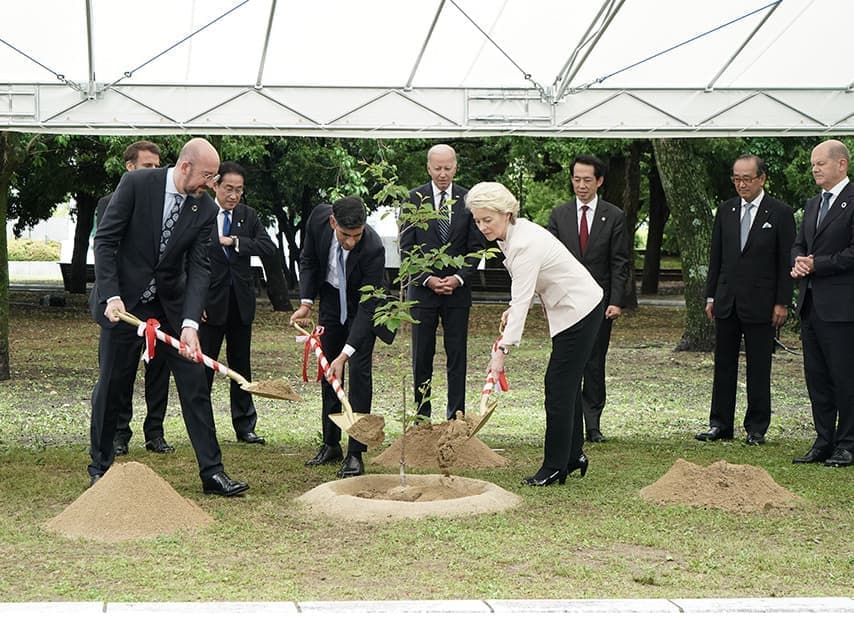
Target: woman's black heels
<point x="545" y="476"/>
<point x="580" y="463"/>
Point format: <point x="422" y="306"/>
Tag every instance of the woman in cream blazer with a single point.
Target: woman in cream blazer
<point x="541" y="266"/>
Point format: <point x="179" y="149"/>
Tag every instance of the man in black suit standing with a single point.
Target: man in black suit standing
<point x="142" y="154"/>
<point x="442" y="293"/>
<point x="151" y="259"/>
<point x="823" y="256"/>
<point x="230" y="306"/>
<point x="747" y="291"/>
<point x="340" y="254"/>
<point x="595" y="233"/>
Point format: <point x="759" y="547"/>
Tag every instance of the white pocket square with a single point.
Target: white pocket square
<point x="767" y="225"/>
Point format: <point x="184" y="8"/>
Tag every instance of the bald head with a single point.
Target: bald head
<point x="197" y="167"/>
<point x="829" y="162"/>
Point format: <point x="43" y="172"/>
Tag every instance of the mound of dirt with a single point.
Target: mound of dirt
<point x="129" y="502"/>
<point x="441" y="445"/>
<point x="736" y="488"/>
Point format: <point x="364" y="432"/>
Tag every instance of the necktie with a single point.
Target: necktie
<point x="745" y="223"/>
<point x="165" y="234"/>
<point x="226" y="229"/>
<point x="825" y="205"/>
<point x="442" y="223"/>
<point x="342" y="285"/>
<point x="584" y="230"/>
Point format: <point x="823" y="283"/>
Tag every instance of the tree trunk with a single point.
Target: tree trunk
<point x="277" y="285"/>
<point x="658" y="214"/>
<point x="82" y="230"/>
<point x="686" y="185"/>
<point x="631" y="203"/>
<point x="7" y="166"/>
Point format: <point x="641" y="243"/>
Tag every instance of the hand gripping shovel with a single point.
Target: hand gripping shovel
<point x="487" y="407"/>
<point x="270" y="389"/>
<point x="365" y="428"/>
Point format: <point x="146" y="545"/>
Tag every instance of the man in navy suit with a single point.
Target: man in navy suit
<point x="340" y="254"/>
<point x="441" y="293"/>
<point x="823" y="265"/>
<point x="748" y="289"/>
<point x="151" y="260"/>
<point x="230" y="306"/>
<point x="595" y="233"/>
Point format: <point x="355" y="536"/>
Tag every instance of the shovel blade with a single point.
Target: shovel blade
<point x="275" y="389"/>
<point x="365" y="428"/>
<point x="477" y="421"/>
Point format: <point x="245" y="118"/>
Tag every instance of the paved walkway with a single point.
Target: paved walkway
<point x="376" y="619"/>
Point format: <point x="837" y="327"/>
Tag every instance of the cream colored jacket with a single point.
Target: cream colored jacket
<point x="540" y="265"/>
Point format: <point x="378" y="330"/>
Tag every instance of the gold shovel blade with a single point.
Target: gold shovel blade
<point x="477" y="421"/>
<point x="365" y="428"/>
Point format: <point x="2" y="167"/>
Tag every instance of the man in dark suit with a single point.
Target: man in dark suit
<point x="151" y="259"/>
<point x="823" y="256"/>
<point x="441" y="293"/>
<point x="142" y="154"/>
<point x="230" y="306"/>
<point x="595" y="233"/>
<point x="340" y="254"/>
<point x="747" y="291"/>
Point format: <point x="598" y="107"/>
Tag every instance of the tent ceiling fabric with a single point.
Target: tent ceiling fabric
<point x="428" y="68"/>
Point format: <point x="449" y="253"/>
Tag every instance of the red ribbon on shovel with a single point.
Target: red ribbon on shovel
<point x="315" y="334"/>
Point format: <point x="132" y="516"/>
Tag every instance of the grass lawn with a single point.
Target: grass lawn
<point x="594" y="537"/>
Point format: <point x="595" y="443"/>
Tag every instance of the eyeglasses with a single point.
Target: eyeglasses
<point x="231" y="190"/>
<point x="208" y="176"/>
<point x="741" y="179"/>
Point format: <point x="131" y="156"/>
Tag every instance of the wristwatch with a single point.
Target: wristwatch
<point x="504" y="349"/>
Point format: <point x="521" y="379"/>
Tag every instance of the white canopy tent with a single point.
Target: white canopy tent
<point x="428" y="68"/>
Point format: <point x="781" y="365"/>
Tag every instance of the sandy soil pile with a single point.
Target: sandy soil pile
<point x="129" y="502"/>
<point x="736" y="488"/>
<point x="441" y="445"/>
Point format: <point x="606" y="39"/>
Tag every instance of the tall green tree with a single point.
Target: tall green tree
<point x="689" y="193"/>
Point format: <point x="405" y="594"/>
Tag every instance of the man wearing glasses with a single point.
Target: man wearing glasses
<point x="151" y="260"/>
<point x="747" y="292"/>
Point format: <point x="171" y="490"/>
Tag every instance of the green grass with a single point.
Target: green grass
<point x="594" y="537"/>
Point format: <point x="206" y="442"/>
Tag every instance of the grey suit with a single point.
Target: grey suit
<point x="607" y="259"/>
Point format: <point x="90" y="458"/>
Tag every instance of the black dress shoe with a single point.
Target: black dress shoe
<point x="813" y="456"/>
<point x="352" y="466"/>
<point x="120" y="448"/>
<point x="94" y="478"/>
<point x="326" y="454"/>
<point x="755" y="439"/>
<point x="251" y="437"/>
<point x="580" y="463"/>
<point x="159" y="446"/>
<point x="595" y="436"/>
<point x="840" y="458"/>
<point x="221" y="485"/>
<point x="714" y="434"/>
<point x="545" y="476"/>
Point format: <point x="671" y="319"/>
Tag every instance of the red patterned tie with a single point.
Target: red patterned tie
<point x="584" y="230"/>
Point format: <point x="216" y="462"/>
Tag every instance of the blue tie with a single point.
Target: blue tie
<point x="825" y="205"/>
<point x="226" y="229"/>
<point x="342" y="285"/>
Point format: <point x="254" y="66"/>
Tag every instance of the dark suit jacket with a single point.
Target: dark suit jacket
<point x="236" y="269"/>
<point x="833" y="248"/>
<point x="365" y="267"/>
<point x="127" y="246"/>
<point x="607" y="254"/>
<point x="464" y="238"/>
<point x="754" y="280"/>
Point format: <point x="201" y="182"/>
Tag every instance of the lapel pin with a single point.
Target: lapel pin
<point x="194" y="208"/>
<point x="844" y="204"/>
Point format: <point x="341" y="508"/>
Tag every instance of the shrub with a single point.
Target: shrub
<point x="33" y="250"/>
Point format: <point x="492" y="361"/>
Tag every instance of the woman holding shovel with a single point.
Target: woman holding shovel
<point x="540" y="265"/>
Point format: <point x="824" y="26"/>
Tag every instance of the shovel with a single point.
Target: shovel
<point x="487" y="407"/>
<point x="269" y="389"/>
<point x="365" y="428"/>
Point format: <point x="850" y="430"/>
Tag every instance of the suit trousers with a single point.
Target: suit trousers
<point x="238" y="339"/>
<point x="360" y="387"/>
<point x="828" y="353"/>
<point x="156" y="399"/>
<point x="593" y="384"/>
<point x="564" y="422"/>
<point x="758" y="347"/>
<point x="119" y="349"/>
<point x="455" y="321"/>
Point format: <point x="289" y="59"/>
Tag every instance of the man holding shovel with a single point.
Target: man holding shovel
<point x="340" y="255"/>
